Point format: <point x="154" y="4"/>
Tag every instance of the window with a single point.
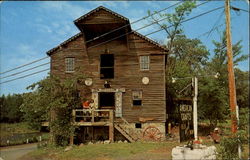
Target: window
<point x="144" y="63"/>
<point x="137" y="98"/>
<point x="69" y="64"/>
<point x="137" y="125"/>
<point x="107" y="66"/>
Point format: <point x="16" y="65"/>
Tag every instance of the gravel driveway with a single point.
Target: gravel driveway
<point x="15" y="152"/>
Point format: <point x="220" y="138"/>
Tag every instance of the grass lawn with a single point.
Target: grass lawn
<point x="18" y="133"/>
<point x="114" y="151"/>
<point x="12" y="128"/>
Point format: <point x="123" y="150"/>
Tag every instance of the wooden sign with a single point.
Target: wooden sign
<point x="186" y="120"/>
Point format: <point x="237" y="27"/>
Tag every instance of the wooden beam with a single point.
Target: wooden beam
<point x="111" y="126"/>
<point x="71" y="140"/>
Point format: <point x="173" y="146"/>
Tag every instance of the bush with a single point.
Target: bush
<point x="228" y="148"/>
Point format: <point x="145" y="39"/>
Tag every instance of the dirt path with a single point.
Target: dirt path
<point x="15" y="152"/>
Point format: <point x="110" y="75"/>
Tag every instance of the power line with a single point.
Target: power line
<point x="187" y="19"/>
<point x="133" y="22"/>
<point x="133" y="31"/>
<point x="100" y="35"/>
<point x="24" y="65"/>
<point x="25" y="76"/>
<point x="24" y="70"/>
<point x="209" y="32"/>
<point x="156" y="30"/>
<point x="214" y="28"/>
<point x="216" y="23"/>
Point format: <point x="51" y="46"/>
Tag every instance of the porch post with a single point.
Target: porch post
<point x="111" y="126"/>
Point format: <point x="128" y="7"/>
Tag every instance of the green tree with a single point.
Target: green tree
<point x="173" y="26"/>
<point x="242" y="88"/>
<point x="10" y="108"/>
<point x="185" y="57"/>
<point x="213" y="98"/>
<point x="188" y="61"/>
<point x="52" y="100"/>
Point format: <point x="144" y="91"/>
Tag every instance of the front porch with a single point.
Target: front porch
<point x="92" y="117"/>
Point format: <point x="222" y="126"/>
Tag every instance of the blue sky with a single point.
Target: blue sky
<point x="29" y="29"/>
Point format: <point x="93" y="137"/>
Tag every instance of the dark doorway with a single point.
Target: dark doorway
<point x="107" y="100"/>
<point x="107" y="66"/>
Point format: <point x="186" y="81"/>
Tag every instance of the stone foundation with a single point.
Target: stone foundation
<point x="140" y="133"/>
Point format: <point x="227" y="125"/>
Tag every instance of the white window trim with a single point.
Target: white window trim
<point x="143" y="63"/>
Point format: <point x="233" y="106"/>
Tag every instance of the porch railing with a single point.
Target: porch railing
<point x="89" y="115"/>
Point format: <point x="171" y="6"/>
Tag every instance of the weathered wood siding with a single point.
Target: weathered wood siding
<point x="102" y="17"/>
<point x="127" y="73"/>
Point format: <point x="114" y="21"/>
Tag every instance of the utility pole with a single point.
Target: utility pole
<point x="195" y="116"/>
<point x="232" y="92"/>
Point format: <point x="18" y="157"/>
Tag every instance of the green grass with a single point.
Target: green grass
<point x="12" y="128"/>
<point x="106" y="151"/>
<point x="18" y="133"/>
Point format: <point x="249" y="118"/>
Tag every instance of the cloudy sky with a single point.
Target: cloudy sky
<point x="30" y="29"/>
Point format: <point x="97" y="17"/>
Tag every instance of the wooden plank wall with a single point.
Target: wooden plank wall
<point x="127" y="73"/>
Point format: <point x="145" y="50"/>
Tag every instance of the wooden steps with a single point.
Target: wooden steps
<point x="124" y="133"/>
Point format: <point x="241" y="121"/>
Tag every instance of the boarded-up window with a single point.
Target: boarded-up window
<point x="137" y="98"/>
<point x="107" y="66"/>
<point x="69" y="64"/>
<point x="144" y="63"/>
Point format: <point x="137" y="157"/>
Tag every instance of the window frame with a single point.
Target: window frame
<point x="144" y="63"/>
<point x="68" y="62"/>
<point x="139" y="98"/>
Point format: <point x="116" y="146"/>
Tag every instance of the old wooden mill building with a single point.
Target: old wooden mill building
<point x="125" y="76"/>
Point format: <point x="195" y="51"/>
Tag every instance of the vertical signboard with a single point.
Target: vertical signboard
<point x="186" y="120"/>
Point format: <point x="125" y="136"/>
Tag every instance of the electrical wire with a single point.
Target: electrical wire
<point x="99" y="36"/>
<point x="24" y="70"/>
<point x="24" y="65"/>
<point x="156" y="30"/>
<point x="187" y="20"/>
<point x="129" y="33"/>
<point x="25" y="76"/>
<point x="143" y="18"/>
<point x="216" y="23"/>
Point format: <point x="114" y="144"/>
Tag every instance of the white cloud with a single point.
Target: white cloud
<point x="26" y="49"/>
<point x="44" y="28"/>
<point x="124" y="4"/>
<point x="74" y="11"/>
<point x="104" y="3"/>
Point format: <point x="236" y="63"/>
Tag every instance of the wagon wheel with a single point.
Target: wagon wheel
<point x="152" y="133"/>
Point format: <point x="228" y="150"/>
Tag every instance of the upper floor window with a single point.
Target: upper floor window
<point x="69" y="64"/>
<point x="107" y="66"/>
<point x="144" y="63"/>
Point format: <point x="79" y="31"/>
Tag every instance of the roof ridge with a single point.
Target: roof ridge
<point x="97" y="9"/>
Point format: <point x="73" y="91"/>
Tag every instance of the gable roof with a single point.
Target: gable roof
<point x="150" y="40"/>
<point x="64" y="43"/>
<point x="96" y="10"/>
<point x="80" y="34"/>
<point x="113" y="13"/>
